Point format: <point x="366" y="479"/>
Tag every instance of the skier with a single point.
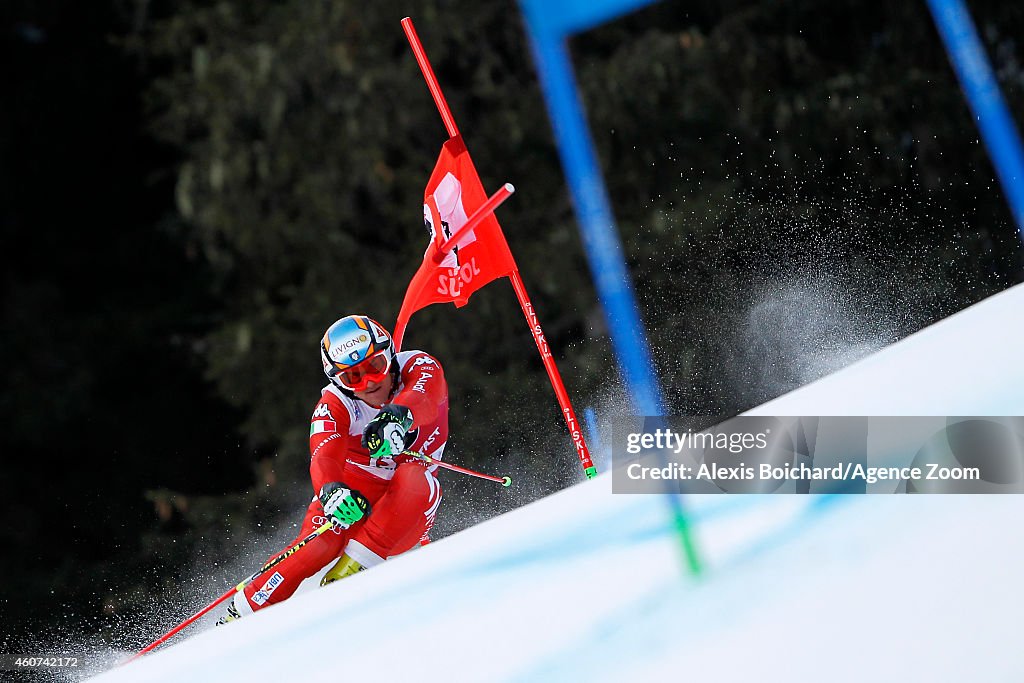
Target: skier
<point x="381" y="500"/>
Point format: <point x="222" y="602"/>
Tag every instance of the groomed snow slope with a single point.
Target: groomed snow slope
<point x="584" y="585"/>
<point x="971" y="363"/>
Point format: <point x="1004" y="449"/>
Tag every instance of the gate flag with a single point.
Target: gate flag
<point x="461" y="260"/>
<point x="453" y="193"/>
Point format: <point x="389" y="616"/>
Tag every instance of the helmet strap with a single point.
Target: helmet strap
<point x="394" y="376"/>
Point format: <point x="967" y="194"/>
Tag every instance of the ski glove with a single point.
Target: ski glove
<point x="387" y="433"/>
<point x="343" y="506"/>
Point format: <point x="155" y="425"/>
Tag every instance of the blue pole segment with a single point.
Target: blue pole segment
<point x="985" y="99"/>
<point x="590" y="418"/>
<point x="548" y="25"/>
<point x="566" y="17"/>
<point x="600" y="236"/>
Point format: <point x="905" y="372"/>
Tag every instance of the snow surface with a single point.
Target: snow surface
<point x="971" y="363"/>
<point x="585" y="585"/>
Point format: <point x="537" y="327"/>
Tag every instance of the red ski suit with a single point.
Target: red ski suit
<point x="404" y="493"/>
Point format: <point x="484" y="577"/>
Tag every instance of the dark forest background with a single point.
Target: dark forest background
<point x="190" y="192"/>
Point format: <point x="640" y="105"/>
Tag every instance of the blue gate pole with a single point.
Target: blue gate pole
<point x="549" y="25"/>
<point x="985" y="100"/>
<point x="597" y="225"/>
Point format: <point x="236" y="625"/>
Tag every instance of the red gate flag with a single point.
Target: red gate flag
<point x="454" y="192"/>
<point x="461" y="260"/>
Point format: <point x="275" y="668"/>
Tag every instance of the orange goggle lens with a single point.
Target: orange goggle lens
<point x="373" y="369"/>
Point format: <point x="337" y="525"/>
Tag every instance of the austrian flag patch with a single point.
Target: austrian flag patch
<point x="322" y="427"/>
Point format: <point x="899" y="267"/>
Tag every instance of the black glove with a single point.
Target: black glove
<point x="343" y="506"/>
<point x="387" y="433"/>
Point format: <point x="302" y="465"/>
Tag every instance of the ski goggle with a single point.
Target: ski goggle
<point x="373" y="369"/>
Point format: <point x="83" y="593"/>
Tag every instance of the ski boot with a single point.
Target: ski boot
<point x="344" y="567"/>
<point x="231" y="614"/>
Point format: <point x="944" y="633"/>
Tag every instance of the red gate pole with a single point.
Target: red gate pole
<point x="517" y="282"/>
<point x="430" y="78"/>
<point x="582" y="452"/>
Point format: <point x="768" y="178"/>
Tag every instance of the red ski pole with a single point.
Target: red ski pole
<point x="240" y="587"/>
<point x="504" y="481"/>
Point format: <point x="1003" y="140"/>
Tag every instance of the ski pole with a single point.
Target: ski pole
<point x="504" y="481"/>
<point x="240" y="587"/>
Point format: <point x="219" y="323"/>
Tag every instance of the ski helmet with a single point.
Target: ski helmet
<point x="355" y="351"/>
